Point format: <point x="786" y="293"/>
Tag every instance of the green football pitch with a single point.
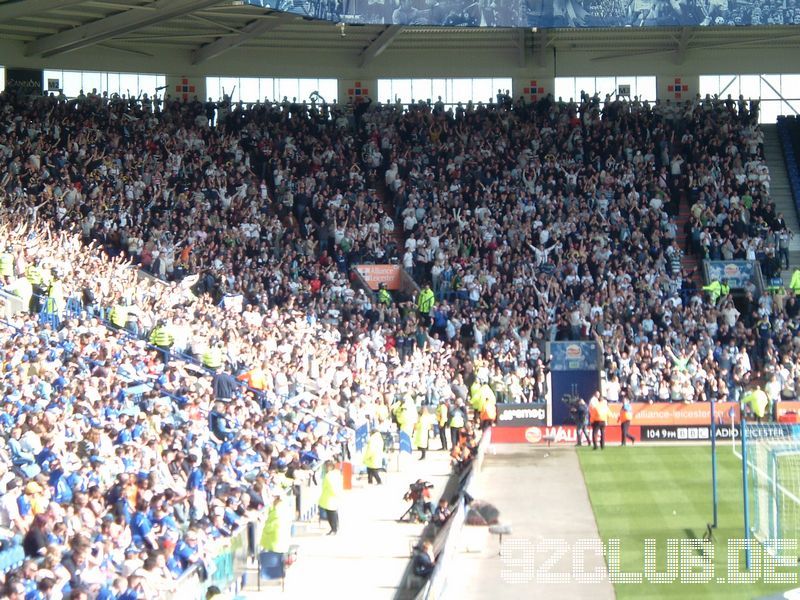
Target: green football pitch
<point x="664" y="493"/>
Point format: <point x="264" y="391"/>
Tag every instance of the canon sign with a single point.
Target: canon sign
<point x="521" y="415"/>
<point x="26" y="82"/>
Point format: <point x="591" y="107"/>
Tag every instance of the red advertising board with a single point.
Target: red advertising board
<point x="374" y="275"/>
<point x="788" y="412"/>
<point x="557" y="434"/>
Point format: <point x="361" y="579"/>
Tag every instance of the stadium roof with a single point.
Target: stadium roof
<point x="209" y="28"/>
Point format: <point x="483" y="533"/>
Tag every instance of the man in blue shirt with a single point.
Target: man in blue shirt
<point x="196" y="480"/>
<point x="187" y="550"/>
<point x="141" y="527"/>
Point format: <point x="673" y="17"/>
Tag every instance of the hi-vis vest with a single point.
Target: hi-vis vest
<point x="212" y="358"/>
<point x="602" y="411"/>
<point x="441" y="415"/>
<point x="33" y="274"/>
<point x="384" y="297"/>
<point x="795" y="282"/>
<point x="55" y="297"/>
<point x="425" y="301"/>
<point x="161" y="337"/>
<point x="457" y="419"/>
<point x="593" y="416"/>
<point x="6" y="265"/>
<point x="118" y="316"/>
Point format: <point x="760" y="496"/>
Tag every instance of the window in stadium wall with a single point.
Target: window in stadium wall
<point x="124" y="84"/>
<point x="451" y="91"/>
<point x="568" y="88"/>
<point x="779" y="93"/>
<point x="253" y="89"/>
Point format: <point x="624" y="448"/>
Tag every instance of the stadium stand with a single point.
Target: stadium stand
<point x="789" y="132"/>
<point x="132" y="448"/>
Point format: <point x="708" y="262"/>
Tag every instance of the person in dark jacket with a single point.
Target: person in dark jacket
<point x="424" y="560"/>
<point x="224" y="386"/>
<point x="35" y="540"/>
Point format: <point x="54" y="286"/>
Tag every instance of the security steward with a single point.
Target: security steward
<point x="214" y="357"/>
<point x="7" y="265"/>
<point x="488" y="406"/>
<point x="598" y="419"/>
<point x="425" y="303"/>
<point x="442" y="414"/>
<point x="118" y="316"/>
<point x="55" y="295"/>
<point x="384" y="297"/>
<point x="717" y="290"/>
<point x="458" y="420"/>
<point x="373" y="457"/>
<point x="625" y="418"/>
<point x="35" y="277"/>
<point x="161" y="336"/>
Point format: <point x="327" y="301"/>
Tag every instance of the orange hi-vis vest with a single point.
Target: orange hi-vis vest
<point x="593" y="414"/>
<point x="602" y="411"/>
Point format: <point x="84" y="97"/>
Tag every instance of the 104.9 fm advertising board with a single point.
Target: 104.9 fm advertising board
<point x="657" y="422"/>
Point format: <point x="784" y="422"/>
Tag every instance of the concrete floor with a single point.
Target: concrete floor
<point x="540" y="492"/>
<point x="369" y="555"/>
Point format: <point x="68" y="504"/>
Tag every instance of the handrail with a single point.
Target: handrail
<point x="437" y="581"/>
<point x="446" y="541"/>
<point x="235" y="552"/>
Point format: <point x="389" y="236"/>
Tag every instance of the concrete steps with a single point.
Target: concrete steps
<point x="780" y="188"/>
<point x="689" y="263"/>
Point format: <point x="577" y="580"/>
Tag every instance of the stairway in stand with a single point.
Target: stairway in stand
<point x="385" y="197"/>
<point x="689" y="262"/>
<point x="781" y="193"/>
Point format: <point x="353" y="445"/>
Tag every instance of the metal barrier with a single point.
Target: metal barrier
<point x="227" y="570"/>
<point x="307" y="496"/>
<point x="435" y="587"/>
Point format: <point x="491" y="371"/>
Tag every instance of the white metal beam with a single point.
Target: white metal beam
<point x="540" y="46"/>
<point x="683" y="45"/>
<point x="113" y="26"/>
<point x="26" y="8"/>
<point x="223" y="44"/>
<point x="379" y="44"/>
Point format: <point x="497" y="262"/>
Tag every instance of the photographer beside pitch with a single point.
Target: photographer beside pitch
<point x="580" y="413"/>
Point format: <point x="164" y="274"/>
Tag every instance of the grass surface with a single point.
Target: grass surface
<point x="662" y="493"/>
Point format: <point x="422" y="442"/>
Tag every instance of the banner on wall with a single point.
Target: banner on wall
<point x="667" y="413"/>
<point x="573" y="374"/>
<point x="539" y="13"/>
<point x="28" y="82"/>
<point x="374" y="275"/>
<point x="738" y="273"/>
<point x="573" y="356"/>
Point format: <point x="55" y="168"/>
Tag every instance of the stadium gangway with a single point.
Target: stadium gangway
<point x="17" y="330"/>
<point x="785" y="126"/>
<point x="74" y="308"/>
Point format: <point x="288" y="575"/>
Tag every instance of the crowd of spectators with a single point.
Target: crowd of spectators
<point x="532" y="222"/>
<point x="195" y="454"/>
<point x="558" y="220"/>
<point x="120" y="471"/>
